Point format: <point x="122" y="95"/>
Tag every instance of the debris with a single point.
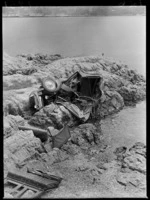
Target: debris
<point x="24" y="181"/>
<point x="53" y="131"/>
<point x="79" y="93"/>
<point x="40" y="133"/>
<point x="61" y="138"/>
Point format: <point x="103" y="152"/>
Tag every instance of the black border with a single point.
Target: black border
<point x="17" y="3"/>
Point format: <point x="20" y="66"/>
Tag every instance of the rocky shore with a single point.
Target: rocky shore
<point x="81" y="161"/>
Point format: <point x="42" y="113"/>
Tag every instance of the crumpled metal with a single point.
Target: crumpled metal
<point x="83" y="115"/>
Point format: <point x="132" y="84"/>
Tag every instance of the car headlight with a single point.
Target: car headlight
<point x="50" y="85"/>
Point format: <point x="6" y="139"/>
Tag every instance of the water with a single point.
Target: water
<point x="126" y="127"/>
<point x="123" y="37"/>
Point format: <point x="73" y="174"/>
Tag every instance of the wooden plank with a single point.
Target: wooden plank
<point x="17" y="187"/>
<point x="21" y="192"/>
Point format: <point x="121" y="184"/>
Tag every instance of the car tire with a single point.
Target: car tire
<point x="57" y="84"/>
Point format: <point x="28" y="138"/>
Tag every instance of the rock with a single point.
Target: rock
<point x="11" y="124"/>
<point x="51" y="115"/>
<point x="138" y="148"/>
<point x="85" y="134"/>
<point x="136" y="158"/>
<point x="18" y="81"/>
<point x="96" y="172"/>
<point x="113" y="102"/>
<point x="26" y="64"/>
<point x="93" y="151"/>
<point x="71" y="148"/>
<point x="20" y="148"/>
<point x="120" y="152"/>
<point x="17" y="102"/>
<point x="54" y="156"/>
<point x="35" y="165"/>
<point x="101" y="166"/>
<point x="81" y="168"/>
<point x="136" y="162"/>
<point x="132" y="93"/>
<point x="48" y="147"/>
<point x="135" y="178"/>
<point x="133" y="166"/>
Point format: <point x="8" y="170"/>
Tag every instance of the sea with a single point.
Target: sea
<point x="120" y="37"/>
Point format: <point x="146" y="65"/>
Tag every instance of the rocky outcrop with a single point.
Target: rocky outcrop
<point x="135" y="159"/>
<point x="132" y="93"/>
<point x="26" y="64"/>
<point x="133" y="166"/>
<point x="20" y="148"/>
<point x="121" y="84"/>
<point x="39" y="58"/>
<point x="134" y="179"/>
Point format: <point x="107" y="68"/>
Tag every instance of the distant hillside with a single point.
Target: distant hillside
<point x="74" y="11"/>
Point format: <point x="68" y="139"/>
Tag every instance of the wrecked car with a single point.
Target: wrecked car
<point x="81" y="93"/>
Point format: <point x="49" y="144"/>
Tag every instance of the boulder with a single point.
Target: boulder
<point x="85" y="135"/>
<point x="112" y="103"/>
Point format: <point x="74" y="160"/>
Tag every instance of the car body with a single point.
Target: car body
<point x="80" y="93"/>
